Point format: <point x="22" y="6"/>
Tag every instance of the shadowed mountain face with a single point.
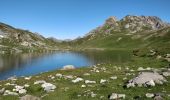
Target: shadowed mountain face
<point x="17" y="39"/>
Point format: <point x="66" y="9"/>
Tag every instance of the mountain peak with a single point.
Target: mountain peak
<point x="111" y="20"/>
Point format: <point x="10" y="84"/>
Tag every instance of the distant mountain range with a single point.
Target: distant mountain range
<point x="129" y="32"/>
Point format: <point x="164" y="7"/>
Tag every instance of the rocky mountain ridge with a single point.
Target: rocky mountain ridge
<point x="17" y="39"/>
<point x="131" y="24"/>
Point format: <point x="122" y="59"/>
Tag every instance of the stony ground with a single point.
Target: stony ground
<point x="98" y="82"/>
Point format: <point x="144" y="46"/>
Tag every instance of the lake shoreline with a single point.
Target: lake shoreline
<point x="67" y="89"/>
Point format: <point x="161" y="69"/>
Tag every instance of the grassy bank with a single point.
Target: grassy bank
<point x="67" y="90"/>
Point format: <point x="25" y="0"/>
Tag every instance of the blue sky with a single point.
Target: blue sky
<point x="68" y="19"/>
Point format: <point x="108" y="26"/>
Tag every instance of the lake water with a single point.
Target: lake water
<point x="34" y="63"/>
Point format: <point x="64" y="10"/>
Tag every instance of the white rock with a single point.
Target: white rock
<point x="59" y="75"/>
<point x="90" y="82"/>
<point x="102" y="81"/>
<point x="8" y="92"/>
<point x="77" y="80"/>
<point x="26" y="85"/>
<point x="122" y="96"/>
<point x="166" y="74"/>
<point x="17" y="88"/>
<point x="150" y="83"/>
<point x="40" y="82"/>
<point x="93" y="94"/>
<point x="86" y="74"/>
<point x="27" y="78"/>
<point x="83" y="86"/>
<point x="97" y="71"/>
<point x="149" y="95"/>
<point x="48" y="87"/>
<point x="29" y="97"/>
<point x="68" y="67"/>
<point x="130" y="85"/>
<point x="168" y="55"/>
<point x="113" y="77"/>
<point x="69" y="77"/>
<point x="22" y="91"/>
<point x="2" y="90"/>
<point x="113" y="96"/>
<point x="147" y="78"/>
<point x="140" y="69"/>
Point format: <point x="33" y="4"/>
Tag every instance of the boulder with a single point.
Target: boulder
<point x="68" y="67"/>
<point x="22" y="91"/>
<point x="59" y="75"/>
<point x="158" y="98"/>
<point x="40" y="82"/>
<point x="83" y="86"/>
<point x="90" y="82"/>
<point x="146" y="79"/>
<point x="102" y="81"/>
<point x="2" y="90"/>
<point x="28" y="78"/>
<point x="149" y="95"/>
<point x="140" y="69"/>
<point x="166" y="74"/>
<point x="29" y="97"/>
<point x="48" y="87"/>
<point x="113" y="77"/>
<point x="8" y="92"/>
<point x="150" y="83"/>
<point x="115" y="96"/>
<point x="77" y="80"/>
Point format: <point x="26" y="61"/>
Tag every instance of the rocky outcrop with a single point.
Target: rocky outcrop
<point x="146" y="79"/>
<point x="129" y="24"/>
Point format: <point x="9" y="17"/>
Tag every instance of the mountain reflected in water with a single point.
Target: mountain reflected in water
<point x="34" y="63"/>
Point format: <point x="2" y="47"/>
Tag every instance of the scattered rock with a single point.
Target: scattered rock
<point x="86" y="74"/>
<point x="22" y="91"/>
<point x="166" y="74"/>
<point x="115" y="96"/>
<point x="113" y="77"/>
<point x="83" y="86"/>
<point x="29" y="97"/>
<point x="102" y="81"/>
<point x="26" y="85"/>
<point x="149" y="95"/>
<point x="77" y="80"/>
<point x="158" y="98"/>
<point x="90" y="82"/>
<point x="140" y="69"/>
<point x="150" y="83"/>
<point x="2" y="90"/>
<point x="93" y="94"/>
<point x="8" y="92"/>
<point x="68" y="67"/>
<point x="167" y="55"/>
<point x="69" y="77"/>
<point x="28" y="78"/>
<point x="48" y="87"/>
<point x="59" y="75"/>
<point x="40" y="82"/>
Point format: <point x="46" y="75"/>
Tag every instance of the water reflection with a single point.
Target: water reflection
<point x="34" y="63"/>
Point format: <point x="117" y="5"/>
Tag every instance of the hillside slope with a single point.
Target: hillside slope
<point x="18" y="40"/>
<point x="130" y="32"/>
